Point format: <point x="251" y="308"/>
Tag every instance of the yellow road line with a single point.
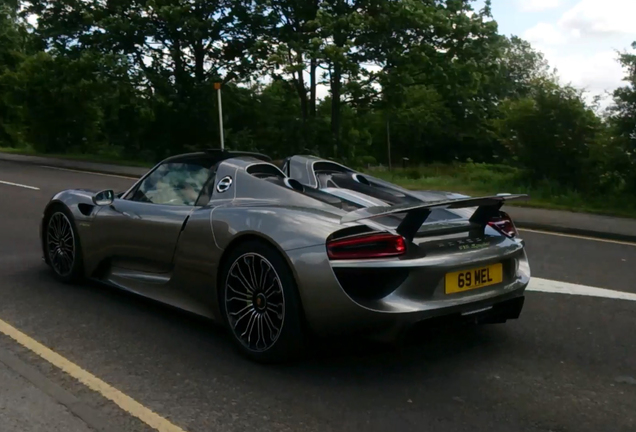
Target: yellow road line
<point x="125" y="402"/>
<point x="578" y="237"/>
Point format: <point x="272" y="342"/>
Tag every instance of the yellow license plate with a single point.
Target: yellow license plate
<point x="465" y="280"/>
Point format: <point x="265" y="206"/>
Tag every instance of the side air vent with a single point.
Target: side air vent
<point x="361" y="179"/>
<point x="85" y="209"/>
<point x="330" y="167"/>
<point x="370" y="283"/>
<point x="294" y="184"/>
<point x="264" y="171"/>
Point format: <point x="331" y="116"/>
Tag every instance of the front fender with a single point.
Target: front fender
<point x="80" y="203"/>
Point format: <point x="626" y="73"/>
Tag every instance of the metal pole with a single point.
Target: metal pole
<point x="221" y="120"/>
<point x="388" y="140"/>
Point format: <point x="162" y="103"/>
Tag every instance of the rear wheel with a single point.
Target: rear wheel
<point x="260" y="303"/>
<point x="62" y="245"/>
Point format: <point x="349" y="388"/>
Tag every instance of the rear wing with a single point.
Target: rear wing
<point x="416" y="214"/>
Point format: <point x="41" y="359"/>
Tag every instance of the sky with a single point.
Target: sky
<point x="580" y="38"/>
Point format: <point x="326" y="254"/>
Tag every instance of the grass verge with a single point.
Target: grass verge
<point x="485" y="179"/>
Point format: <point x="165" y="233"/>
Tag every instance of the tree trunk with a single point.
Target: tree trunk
<point x="178" y="64"/>
<point x="335" y="107"/>
<point x="299" y="83"/>
<point x="312" y="88"/>
<point x="302" y="90"/>
<point x="199" y="59"/>
<point x="199" y="48"/>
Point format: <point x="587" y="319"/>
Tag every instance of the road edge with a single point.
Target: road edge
<point x="84" y="166"/>
<point x="575" y="231"/>
<point x="90" y="416"/>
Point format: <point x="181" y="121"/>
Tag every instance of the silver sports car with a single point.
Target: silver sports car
<point x="277" y="255"/>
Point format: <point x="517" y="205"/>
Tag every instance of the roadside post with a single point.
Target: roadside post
<point x="217" y="87"/>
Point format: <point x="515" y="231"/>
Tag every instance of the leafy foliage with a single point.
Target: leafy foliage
<point x="550" y="132"/>
<point x="619" y="150"/>
<point x="428" y="80"/>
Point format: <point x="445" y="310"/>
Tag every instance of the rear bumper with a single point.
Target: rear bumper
<point x="486" y="313"/>
<point x="493" y="311"/>
<point x="330" y="311"/>
<point x="499" y="312"/>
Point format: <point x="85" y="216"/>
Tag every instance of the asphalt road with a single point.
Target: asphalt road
<point x="569" y="363"/>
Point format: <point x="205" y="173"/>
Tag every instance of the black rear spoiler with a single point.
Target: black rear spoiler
<point x="416" y="214"/>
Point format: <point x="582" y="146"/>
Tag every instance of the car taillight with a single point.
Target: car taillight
<point x="367" y="246"/>
<point x="504" y="225"/>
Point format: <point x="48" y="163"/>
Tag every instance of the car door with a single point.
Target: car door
<point x="141" y="229"/>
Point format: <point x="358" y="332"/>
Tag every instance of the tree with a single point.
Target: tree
<point x="196" y="39"/>
<point x="290" y="34"/>
<point x="444" y="47"/>
<point x="174" y="49"/>
<point x="14" y="43"/>
<point x="520" y="67"/>
<point x="134" y="78"/>
<point x="622" y="119"/>
<point x="340" y="23"/>
<point x="550" y="132"/>
<point x="63" y="105"/>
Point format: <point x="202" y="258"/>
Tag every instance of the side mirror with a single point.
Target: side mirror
<point x="104" y="198"/>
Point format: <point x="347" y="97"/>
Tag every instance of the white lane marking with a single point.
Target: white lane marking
<point x="556" y="287"/>
<point x="19" y="185"/>
<point x="578" y="237"/>
<point x="89" y="172"/>
<point x="125" y="402"/>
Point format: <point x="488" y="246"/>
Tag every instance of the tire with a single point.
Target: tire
<point x="59" y="225"/>
<point x="255" y="306"/>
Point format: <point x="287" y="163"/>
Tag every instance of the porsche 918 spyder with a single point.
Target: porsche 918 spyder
<point x="275" y="255"/>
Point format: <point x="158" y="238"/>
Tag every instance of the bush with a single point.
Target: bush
<point x="412" y="173"/>
<point x="365" y="161"/>
<point x="550" y="134"/>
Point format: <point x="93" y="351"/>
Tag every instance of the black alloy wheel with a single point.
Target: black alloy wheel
<point x="260" y="303"/>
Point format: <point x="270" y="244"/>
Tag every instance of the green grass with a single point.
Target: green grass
<point x="485" y="179"/>
<point x="468" y="178"/>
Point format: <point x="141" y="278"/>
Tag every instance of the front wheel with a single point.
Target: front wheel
<point x="260" y="303"/>
<point x="62" y="245"/>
